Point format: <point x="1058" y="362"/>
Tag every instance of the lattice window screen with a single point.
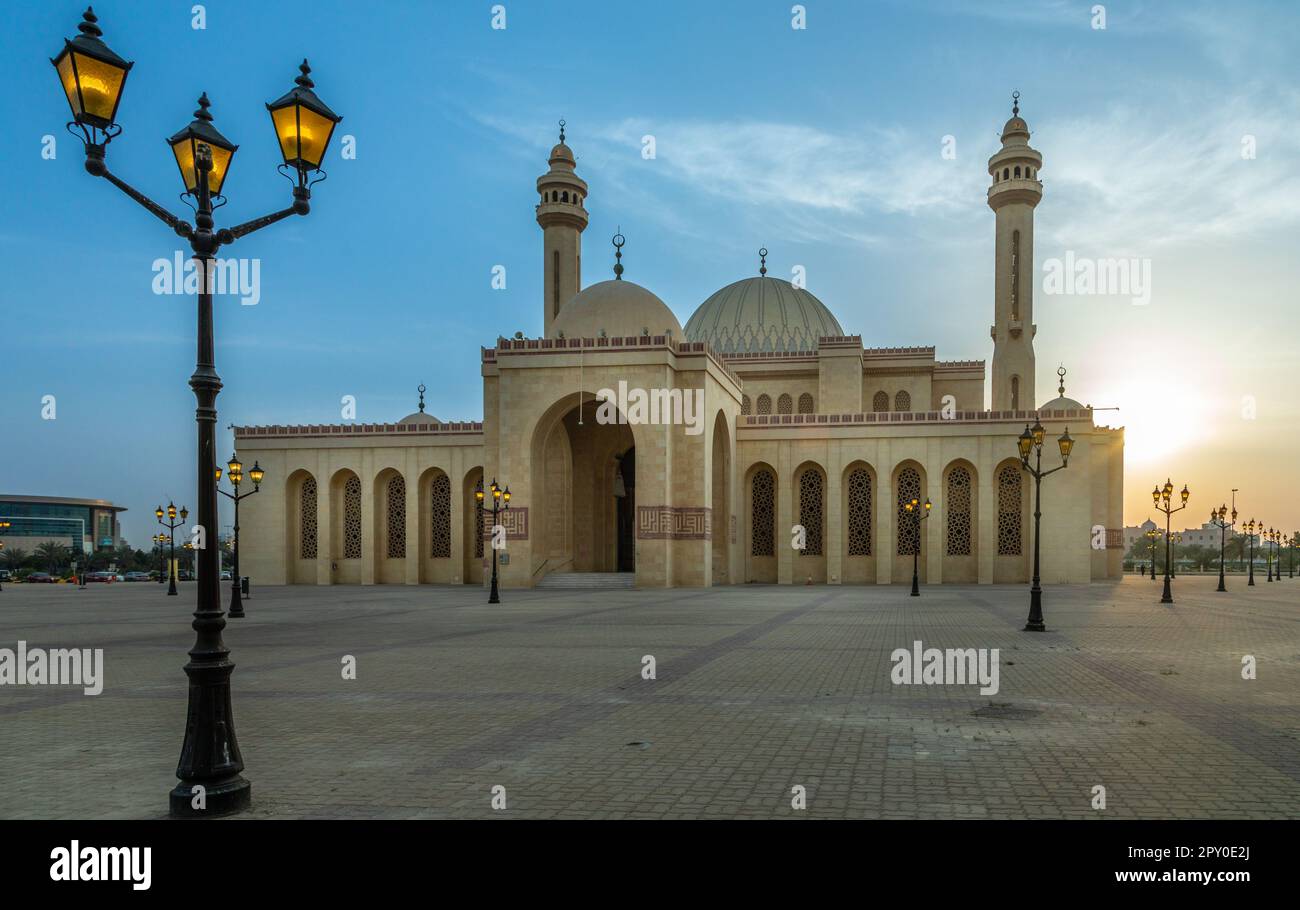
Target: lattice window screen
<point x="812" y="491"/>
<point x="440" y="517"/>
<point x="352" y="518"/>
<point x="396" y="518"/>
<point x="1009" y="505"/>
<point x="909" y="530"/>
<point x="763" y="514"/>
<point x="859" y="512"/>
<point x="958" y="508"/>
<point x="307" y="519"/>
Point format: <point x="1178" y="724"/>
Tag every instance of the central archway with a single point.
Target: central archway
<point x="584" y="475"/>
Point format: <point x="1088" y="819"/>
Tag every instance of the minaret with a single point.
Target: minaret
<point x="563" y="219"/>
<point x="1013" y="194"/>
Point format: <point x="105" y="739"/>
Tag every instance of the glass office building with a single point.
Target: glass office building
<point x="82" y="525"/>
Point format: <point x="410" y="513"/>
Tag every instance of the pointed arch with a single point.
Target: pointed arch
<point x="960" y="523"/>
<point x="760" y="523"/>
<point x="857" y="505"/>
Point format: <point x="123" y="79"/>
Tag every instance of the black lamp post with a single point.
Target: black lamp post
<point x="171" y="524"/>
<point x="1270" y="543"/>
<point x="919" y="514"/>
<point x="1151" y="536"/>
<point x="1290" y="558"/>
<point x="236" y="476"/>
<point x="1219" y="520"/>
<point x="1176" y="539"/>
<point x="1250" y="535"/>
<point x="500" y="503"/>
<point x="158" y="541"/>
<point x="92" y="77"/>
<point x="3" y="524"/>
<point x="1161" y="496"/>
<point x="1031" y="442"/>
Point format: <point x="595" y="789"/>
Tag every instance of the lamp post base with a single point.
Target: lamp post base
<point x="1035" y="622"/>
<point x="1167" y="597"/>
<point x="236" y="602"/>
<point x="226" y="797"/>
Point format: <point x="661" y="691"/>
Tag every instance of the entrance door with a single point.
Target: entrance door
<point x="626" y="510"/>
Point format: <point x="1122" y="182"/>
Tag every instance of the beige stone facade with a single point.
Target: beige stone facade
<point x="707" y="455"/>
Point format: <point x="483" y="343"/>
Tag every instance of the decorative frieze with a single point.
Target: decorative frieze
<point x="673" y="523"/>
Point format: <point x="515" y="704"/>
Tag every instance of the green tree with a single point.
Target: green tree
<point x="53" y="555"/>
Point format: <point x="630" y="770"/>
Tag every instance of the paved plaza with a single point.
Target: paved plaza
<point x="759" y="690"/>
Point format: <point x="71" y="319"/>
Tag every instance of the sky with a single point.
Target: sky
<point x="854" y="147"/>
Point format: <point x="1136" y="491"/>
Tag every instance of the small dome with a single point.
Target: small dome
<point x="1063" y="404"/>
<point x="1015" y="126"/>
<point x="762" y="314"/>
<point x="561" y="152"/>
<point x="620" y="309"/>
<point x="419" y="417"/>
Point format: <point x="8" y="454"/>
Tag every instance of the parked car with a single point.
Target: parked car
<point x="4" y="575"/>
<point x="41" y="578"/>
<point x="136" y="576"/>
<point x="102" y="577"/>
<point x="185" y="575"/>
<point x="225" y="576"/>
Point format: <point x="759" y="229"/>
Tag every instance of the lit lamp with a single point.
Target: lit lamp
<point x="185" y="146"/>
<point x="303" y="125"/>
<point x="1030" y="442"/>
<point x="1161" y="496"/>
<point x="92" y="76"/>
<point x="919" y="515"/>
<point x="500" y="503"/>
<point x="256" y="475"/>
<point x="235" y="469"/>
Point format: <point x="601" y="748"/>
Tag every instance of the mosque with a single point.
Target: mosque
<point x="785" y="452"/>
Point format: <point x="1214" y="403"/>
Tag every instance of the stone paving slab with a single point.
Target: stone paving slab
<point x="758" y="689"/>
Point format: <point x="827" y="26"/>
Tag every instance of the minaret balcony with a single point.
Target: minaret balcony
<point x="1017" y="189"/>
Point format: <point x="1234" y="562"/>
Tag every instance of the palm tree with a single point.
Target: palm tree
<point x="14" y="558"/>
<point x="53" y="554"/>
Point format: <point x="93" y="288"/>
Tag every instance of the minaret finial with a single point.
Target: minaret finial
<point x="619" y="240"/>
<point x="422" y="391"/>
<point x="561" y="129"/>
<point x="762" y="261"/>
<point x="1060" y="371"/>
<point x="1015" y="104"/>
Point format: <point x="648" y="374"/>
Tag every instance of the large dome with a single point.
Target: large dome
<point x="618" y="309"/>
<point x="762" y="314"/>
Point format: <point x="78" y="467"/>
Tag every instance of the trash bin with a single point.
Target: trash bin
<point x="243" y="586"/>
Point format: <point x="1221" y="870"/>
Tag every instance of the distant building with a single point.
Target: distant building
<point x="81" y="525"/>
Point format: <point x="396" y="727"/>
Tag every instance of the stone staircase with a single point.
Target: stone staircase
<point x="588" y="580"/>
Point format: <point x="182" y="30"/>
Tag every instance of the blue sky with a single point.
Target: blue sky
<point x="822" y="145"/>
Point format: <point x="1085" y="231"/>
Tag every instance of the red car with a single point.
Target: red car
<point x="105" y="577"/>
<point x="37" y="578"/>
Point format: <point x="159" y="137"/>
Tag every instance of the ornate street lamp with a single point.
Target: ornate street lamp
<point x="158" y="541"/>
<point x="919" y="514"/>
<point x="171" y="524"/>
<point x="1270" y="541"/>
<point x="236" y="476"/>
<point x="1161" y="497"/>
<point x="1031" y="442"/>
<point x="92" y="78"/>
<point x="1250" y="535"/>
<point x="1151" y="536"/>
<point x="500" y="503"/>
<point x="1219" y="520"/>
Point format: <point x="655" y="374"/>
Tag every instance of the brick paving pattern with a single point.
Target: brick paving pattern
<point x="758" y="689"/>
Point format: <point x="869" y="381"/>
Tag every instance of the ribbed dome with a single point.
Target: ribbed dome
<point x="762" y="314"/>
<point x="419" y="417"/>
<point x="617" y="308"/>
